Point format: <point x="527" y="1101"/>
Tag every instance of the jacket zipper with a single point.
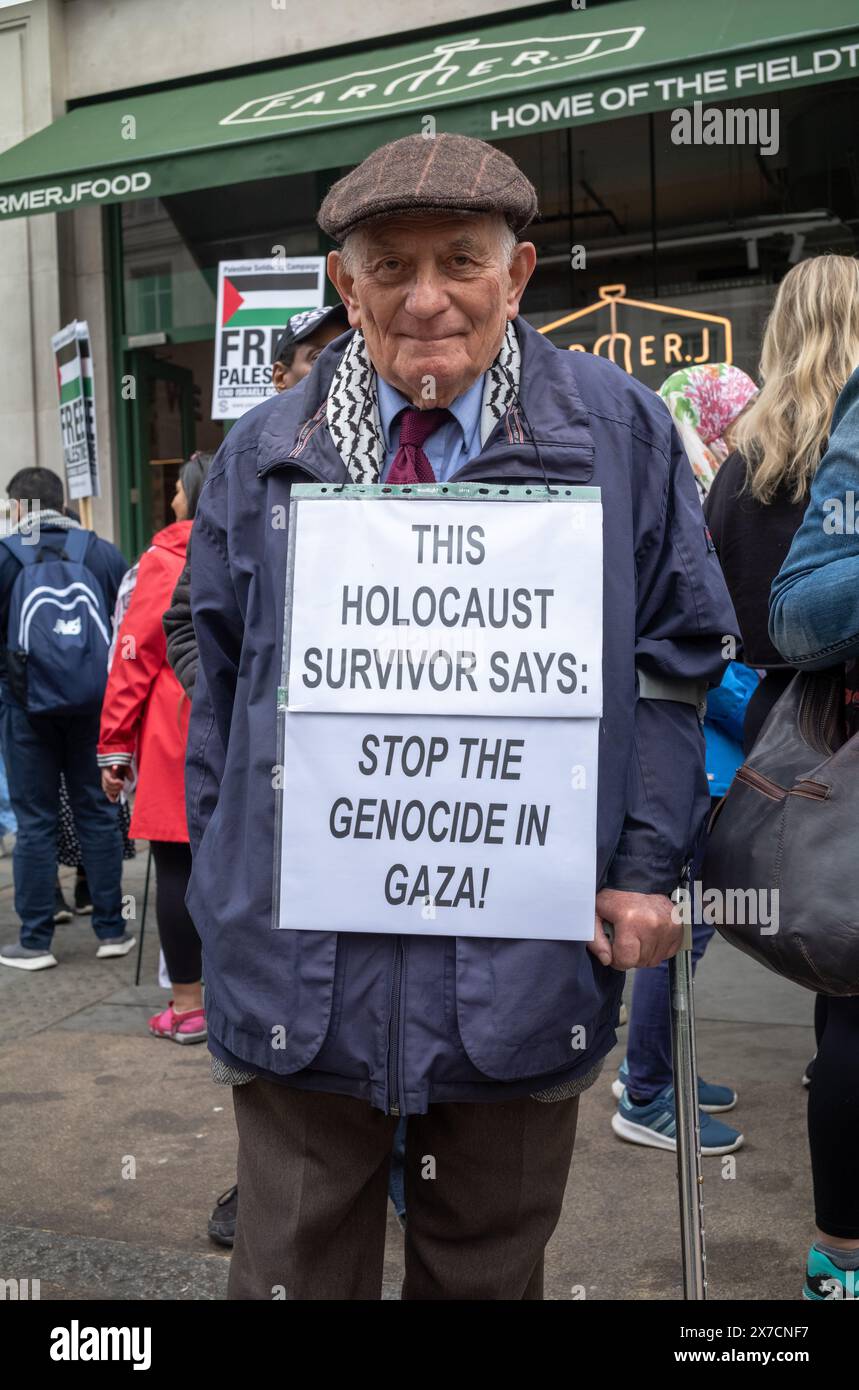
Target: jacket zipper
<point x="818" y="726"/>
<point x="394" y="1028"/>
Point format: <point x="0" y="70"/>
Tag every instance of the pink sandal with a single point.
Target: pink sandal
<point x="188" y="1027"/>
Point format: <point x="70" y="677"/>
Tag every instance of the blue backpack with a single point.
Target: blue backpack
<point x="59" y="629"/>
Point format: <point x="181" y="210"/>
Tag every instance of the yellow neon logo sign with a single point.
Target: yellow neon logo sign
<point x="615" y="343"/>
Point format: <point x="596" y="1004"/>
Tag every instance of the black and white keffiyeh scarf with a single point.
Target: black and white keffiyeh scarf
<point x="43" y="516"/>
<point x="352" y="407"/>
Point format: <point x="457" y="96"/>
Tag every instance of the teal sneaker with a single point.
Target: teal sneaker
<point x="714" y="1099"/>
<point x="655" y="1125"/>
<point x="825" y="1281"/>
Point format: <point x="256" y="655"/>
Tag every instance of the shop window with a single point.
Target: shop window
<point x="151" y="296"/>
<point x="658" y="255"/>
<point x="166" y="289"/>
<point x="140" y="210"/>
<point x="684" y="246"/>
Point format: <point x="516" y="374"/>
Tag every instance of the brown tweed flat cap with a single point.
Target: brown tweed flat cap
<point x="453" y="173"/>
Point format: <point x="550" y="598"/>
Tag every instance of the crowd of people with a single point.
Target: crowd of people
<point x="140" y="707"/>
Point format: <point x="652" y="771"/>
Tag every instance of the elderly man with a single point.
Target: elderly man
<point x="439" y="378"/>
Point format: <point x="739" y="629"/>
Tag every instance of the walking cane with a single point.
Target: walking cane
<point x="143" y="915"/>
<point x="689" y="1176"/>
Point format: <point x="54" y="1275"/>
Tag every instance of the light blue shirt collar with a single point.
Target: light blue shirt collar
<point x="465" y="409"/>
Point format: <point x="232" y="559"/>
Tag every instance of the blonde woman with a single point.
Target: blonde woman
<point x="759" y="495"/>
<point x="759" y="498"/>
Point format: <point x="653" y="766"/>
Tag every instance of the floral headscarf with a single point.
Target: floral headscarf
<point x="704" y="401"/>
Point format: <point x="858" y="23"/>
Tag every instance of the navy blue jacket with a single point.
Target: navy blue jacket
<point x="403" y="1022"/>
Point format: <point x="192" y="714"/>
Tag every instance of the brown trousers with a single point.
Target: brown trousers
<point x="484" y="1187"/>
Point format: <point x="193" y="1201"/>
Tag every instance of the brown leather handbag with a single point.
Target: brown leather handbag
<point x="780" y="878"/>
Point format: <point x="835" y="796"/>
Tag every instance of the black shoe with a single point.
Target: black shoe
<point x="83" y="901"/>
<point x="222" y="1222"/>
<point x="62" y="911"/>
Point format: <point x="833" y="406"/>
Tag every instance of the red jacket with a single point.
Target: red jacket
<point x="145" y="709"/>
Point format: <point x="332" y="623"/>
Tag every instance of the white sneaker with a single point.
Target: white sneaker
<point x="115" y="946"/>
<point x="23" y="958"/>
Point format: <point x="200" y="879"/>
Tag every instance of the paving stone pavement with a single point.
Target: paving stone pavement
<point x="114" y="1145"/>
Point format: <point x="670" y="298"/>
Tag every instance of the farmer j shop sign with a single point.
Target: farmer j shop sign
<point x="471" y="67"/>
<point x="527" y="74"/>
<point x="458" y="65"/>
<point x="795" y="65"/>
<point x="71" y="192"/>
<point x="649" y="340"/>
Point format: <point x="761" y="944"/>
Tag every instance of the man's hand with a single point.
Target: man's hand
<point x="645" y="932"/>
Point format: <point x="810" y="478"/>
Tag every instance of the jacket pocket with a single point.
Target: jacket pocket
<point x="525" y="1008"/>
<point x="269" y="991"/>
<point x="269" y="1001"/>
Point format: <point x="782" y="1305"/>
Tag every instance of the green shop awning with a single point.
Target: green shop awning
<point x="493" y="80"/>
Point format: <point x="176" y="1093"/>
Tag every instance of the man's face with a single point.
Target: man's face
<point x="305" y="355"/>
<point x="432" y="298"/>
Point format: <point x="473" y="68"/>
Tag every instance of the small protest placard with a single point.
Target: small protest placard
<point x="73" y="360"/>
<point x="256" y="298"/>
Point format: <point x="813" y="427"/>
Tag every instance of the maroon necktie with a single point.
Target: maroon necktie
<point x="410" y="464"/>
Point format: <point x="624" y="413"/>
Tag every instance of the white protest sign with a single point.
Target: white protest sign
<point x="89" y="405"/>
<point x="440" y="826"/>
<point x="442" y="692"/>
<point x="435" y="607"/>
<point x="73" y="362"/>
<point x="256" y="298"/>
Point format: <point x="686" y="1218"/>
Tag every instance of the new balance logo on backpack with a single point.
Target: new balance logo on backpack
<point x="58" y="635"/>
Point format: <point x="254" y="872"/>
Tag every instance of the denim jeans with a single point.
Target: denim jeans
<point x="36" y="750"/>
<point x="397" y="1177"/>
<point x="8" y="822"/>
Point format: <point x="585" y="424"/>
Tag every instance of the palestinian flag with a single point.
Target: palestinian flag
<point x="72" y="376"/>
<point x="266" y="300"/>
